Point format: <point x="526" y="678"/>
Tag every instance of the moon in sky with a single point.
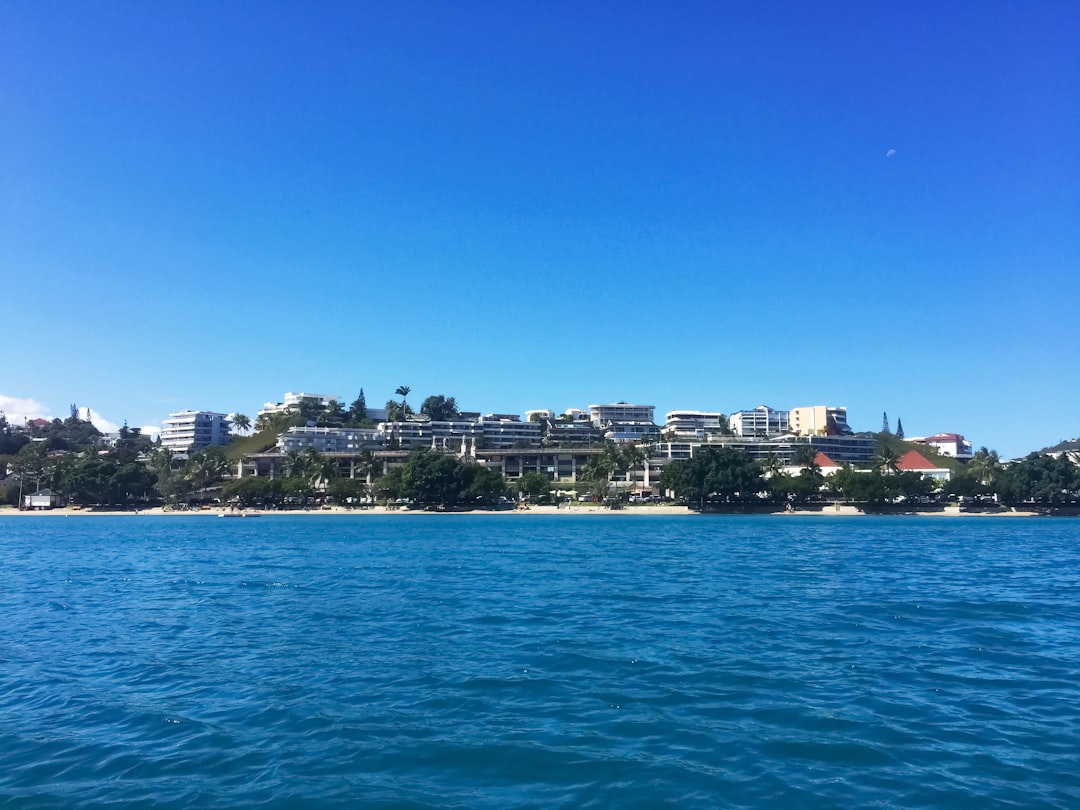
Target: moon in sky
<point x="890" y="153"/>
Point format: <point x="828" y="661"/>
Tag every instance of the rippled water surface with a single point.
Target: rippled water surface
<point x="508" y="661"/>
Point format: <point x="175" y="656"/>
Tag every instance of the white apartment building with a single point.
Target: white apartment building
<point x="329" y="440"/>
<point x="294" y="400"/>
<point x="623" y="422"/>
<point x="621" y="412"/>
<point x="948" y="444"/>
<point x="819" y="420"/>
<point x="421" y="432"/>
<point x="761" y="421"/>
<point x="188" y="431"/>
<point x="505" y="431"/>
<point x="692" y="424"/>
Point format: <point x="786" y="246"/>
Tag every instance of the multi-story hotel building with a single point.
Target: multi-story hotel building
<point x="693" y="424"/>
<point x="329" y="440"/>
<point x="188" y="431"/>
<point x="819" y="420"/>
<point x="761" y="421"/>
<point x="623" y="422"/>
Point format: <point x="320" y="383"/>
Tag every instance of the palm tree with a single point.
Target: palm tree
<point x="241" y="422"/>
<point x="365" y="465"/>
<point x="632" y="458"/>
<point x="321" y="471"/>
<point x="772" y="466"/>
<point x="205" y="469"/>
<point x="986" y="464"/>
<point x="403" y="392"/>
<point x="886" y="460"/>
<point x="295" y="465"/>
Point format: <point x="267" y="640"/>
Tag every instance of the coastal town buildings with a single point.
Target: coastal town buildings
<point x="914" y="461"/>
<point x="419" y="432"/>
<point x="761" y="421"/>
<point x="329" y="440"/>
<point x="818" y="420"/>
<point x="187" y="431"/>
<point x="558" y="446"/>
<point x="948" y="444"/>
<point x="690" y="425"/>
<point x="293" y="401"/>
<point x="854" y="449"/>
<point x="623" y="422"/>
<point x="570" y="430"/>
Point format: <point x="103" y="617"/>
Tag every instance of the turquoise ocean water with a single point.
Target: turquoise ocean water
<point x="531" y="661"/>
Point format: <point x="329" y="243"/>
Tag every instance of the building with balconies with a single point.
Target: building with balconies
<point x="761" y="422"/>
<point x="188" y="431"/>
<point x="329" y="440"/>
<point x="819" y="420"/>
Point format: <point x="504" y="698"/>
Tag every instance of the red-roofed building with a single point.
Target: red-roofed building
<point x="826" y="464"/>
<point x="38" y="423"/>
<point x="823" y="463"/>
<point x="914" y="461"/>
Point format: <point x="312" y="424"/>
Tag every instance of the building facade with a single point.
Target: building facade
<point x="761" y="421"/>
<point x="819" y="420"/>
<point x="329" y="440"/>
<point x="188" y="431"/>
<point x="688" y="425"/>
<point x="948" y="444"/>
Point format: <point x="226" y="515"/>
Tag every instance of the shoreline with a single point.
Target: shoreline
<point x="635" y="511"/>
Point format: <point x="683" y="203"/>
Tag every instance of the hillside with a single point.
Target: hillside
<point x="1068" y="444"/>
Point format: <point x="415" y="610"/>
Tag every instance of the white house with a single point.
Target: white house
<point x="42" y="499"/>
<point x="948" y="444"/>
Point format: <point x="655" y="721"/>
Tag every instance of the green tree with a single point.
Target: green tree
<point x="129" y="445"/>
<point x="11" y="441"/>
<point x="403" y="391"/>
<point x="206" y="468"/>
<point x="278" y="422"/>
<point x="631" y="458"/>
<point x="391" y="486"/>
<point x="254" y="490"/>
<point x="1039" y="479"/>
<point x="886" y="460"/>
<point x="439" y="408"/>
<point x="534" y="486"/>
<point x="91" y="479"/>
<point x="715" y="475"/>
<point x="481" y="484"/>
<point x="358" y="409"/>
<point x="321" y="470"/>
<point x="596" y="474"/>
<point x="242" y="423"/>
<point x="168" y="482"/>
<point x="432" y="479"/>
<point x="397" y="411"/>
<point x="986" y="466"/>
<point x="346" y="491"/>
<point x="332" y="416"/>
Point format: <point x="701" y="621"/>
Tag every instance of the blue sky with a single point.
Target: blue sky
<point x="527" y="205"/>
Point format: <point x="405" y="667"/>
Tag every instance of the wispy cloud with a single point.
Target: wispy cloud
<point x="99" y="421"/>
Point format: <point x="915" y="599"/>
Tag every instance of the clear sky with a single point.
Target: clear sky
<point x="545" y="205"/>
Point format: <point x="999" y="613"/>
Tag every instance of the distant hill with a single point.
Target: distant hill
<point x="1068" y="444"/>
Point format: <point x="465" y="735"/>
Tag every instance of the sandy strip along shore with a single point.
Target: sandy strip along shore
<point x="580" y="509"/>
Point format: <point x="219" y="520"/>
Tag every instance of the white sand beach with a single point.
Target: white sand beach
<point x="576" y="509"/>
